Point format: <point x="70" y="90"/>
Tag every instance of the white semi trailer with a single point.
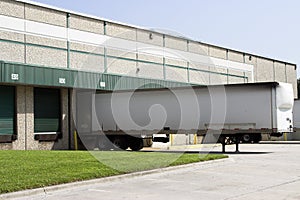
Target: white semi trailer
<point x="239" y="112"/>
<point x="296" y="114"/>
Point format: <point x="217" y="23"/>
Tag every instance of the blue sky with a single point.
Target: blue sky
<point x="270" y="28"/>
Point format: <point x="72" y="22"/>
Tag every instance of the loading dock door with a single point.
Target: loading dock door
<point x="7" y="110"/>
<point x="46" y="110"/>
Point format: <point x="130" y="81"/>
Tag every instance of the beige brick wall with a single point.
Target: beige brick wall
<point x="235" y="56"/>
<point x="46" y="41"/>
<point x="217" y="52"/>
<point x="280" y="72"/>
<point x="264" y="70"/>
<point x="144" y="36"/>
<point x="5" y="35"/>
<point x="86" y="24"/>
<point x="45" y="15"/>
<point x="12" y="8"/>
<point x="176" y="74"/>
<point x="12" y="52"/>
<point x="196" y="47"/>
<point x="87" y="62"/>
<point x="120" y="31"/>
<point x="176" y="43"/>
<point x="46" y="56"/>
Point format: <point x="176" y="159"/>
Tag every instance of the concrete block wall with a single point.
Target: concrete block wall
<point x="280" y="73"/>
<point x="218" y="78"/>
<point x="20" y="144"/>
<point x="196" y="47"/>
<point x="175" y="43"/>
<point x="234" y="79"/>
<point x="264" y="70"/>
<point x="44" y="56"/>
<point x="176" y="74"/>
<point x="127" y="66"/>
<point x="150" y="38"/>
<point x="150" y="58"/>
<point x="17" y="37"/>
<point x="199" y="77"/>
<point x="236" y="56"/>
<point x="87" y="62"/>
<point x="13" y="52"/>
<point x="45" y="15"/>
<point x="86" y="24"/>
<point x="124" y="67"/>
<point x="46" y="41"/>
<point x="217" y="52"/>
<point x="121" y="31"/>
<point x="176" y="62"/>
<point x="12" y="8"/>
<point x="150" y="71"/>
<point x="292" y="78"/>
<point x="86" y="48"/>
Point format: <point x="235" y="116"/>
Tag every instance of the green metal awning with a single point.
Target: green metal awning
<point x="24" y="74"/>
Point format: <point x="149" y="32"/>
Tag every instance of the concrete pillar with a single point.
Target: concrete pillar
<point x="20" y="143"/>
<point x="31" y="144"/>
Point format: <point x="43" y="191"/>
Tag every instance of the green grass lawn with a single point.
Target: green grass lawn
<point x="32" y="169"/>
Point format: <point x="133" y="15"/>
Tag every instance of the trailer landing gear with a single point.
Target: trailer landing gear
<point x="236" y="138"/>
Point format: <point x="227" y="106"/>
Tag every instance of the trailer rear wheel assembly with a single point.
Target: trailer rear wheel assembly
<point x="136" y="144"/>
<point x="120" y="143"/>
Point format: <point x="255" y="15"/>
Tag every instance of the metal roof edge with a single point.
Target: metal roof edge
<point x="146" y="29"/>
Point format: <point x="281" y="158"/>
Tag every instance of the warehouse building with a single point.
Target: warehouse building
<point x="46" y="52"/>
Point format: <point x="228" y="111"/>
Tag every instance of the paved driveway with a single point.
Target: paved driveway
<point x="267" y="171"/>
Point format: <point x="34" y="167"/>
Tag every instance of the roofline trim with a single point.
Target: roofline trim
<point x="145" y="29"/>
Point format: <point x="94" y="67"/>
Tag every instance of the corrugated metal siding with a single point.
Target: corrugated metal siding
<point x="45" y="76"/>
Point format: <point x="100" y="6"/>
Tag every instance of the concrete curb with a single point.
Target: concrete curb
<point x="69" y="186"/>
<point x="279" y="142"/>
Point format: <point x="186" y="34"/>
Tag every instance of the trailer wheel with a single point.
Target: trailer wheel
<point x="246" y="138"/>
<point x="120" y="143"/>
<point x="136" y="144"/>
<point x="257" y="138"/>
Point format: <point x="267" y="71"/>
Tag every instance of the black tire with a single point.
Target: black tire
<point x="257" y="139"/>
<point x="136" y="144"/>
<point x="246" y="138"/>
<point x="120" y="143"/>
